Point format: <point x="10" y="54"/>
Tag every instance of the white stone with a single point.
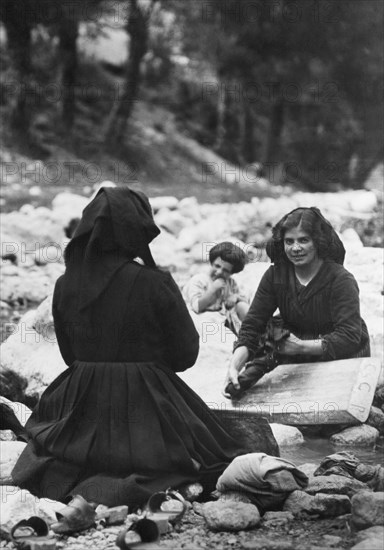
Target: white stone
<point x="363" y="435"/>
<point x="351" y="239"/>
<point x="9" y="453"/>
<point x="287" y="435"/>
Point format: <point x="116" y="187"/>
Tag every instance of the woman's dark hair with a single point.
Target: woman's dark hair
<point x="230" y="253"/>
<point x="310" y="220"/>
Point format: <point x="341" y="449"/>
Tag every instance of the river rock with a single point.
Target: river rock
<point x="372" y="543"/>
<point x="374" y="182"/>
<point x="375" y="532"/>
<point x="367" y="509"/>
<point x="268" y="543"/>
<point x="230" y="515"/>
<point x="67" y="206"/>
<point x="335" y="485"/>
<point x="21" y="411"/>
<point x="157" y="203"/>
<point x="276" y="519"/>
<point x="189" y="208"/>
<point x="10" y="452"/>
<point x="327" y="506"/>
<point x="351" y="239"/>
<point x="236" y="496"/>
<point x="376" y="419"/>
<point x="287" y="435"/>
<point x="31" y="355"/>
<point x="172" y="221"/>
<point x="363" y="435"/>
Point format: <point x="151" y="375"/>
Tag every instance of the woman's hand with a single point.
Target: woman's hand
<point x="238" y="360"/>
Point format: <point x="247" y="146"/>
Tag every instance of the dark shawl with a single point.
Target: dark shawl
<point x="116" y="227"/>
<point x="335" y="252"/>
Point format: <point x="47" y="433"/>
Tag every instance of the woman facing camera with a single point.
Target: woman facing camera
<point x="317" y="297"/>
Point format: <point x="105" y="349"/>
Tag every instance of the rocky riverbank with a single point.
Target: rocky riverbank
<point x="32" y="258"/>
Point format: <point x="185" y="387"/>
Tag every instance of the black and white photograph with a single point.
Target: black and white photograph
<point x="192" y="279"/>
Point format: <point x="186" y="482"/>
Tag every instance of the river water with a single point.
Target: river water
<point x="315" y="449"/>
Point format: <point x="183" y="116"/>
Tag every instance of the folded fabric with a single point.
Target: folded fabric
<point x="348" y="465"/>
<point x="261" y="474"/>
<point x="342" y="463"/>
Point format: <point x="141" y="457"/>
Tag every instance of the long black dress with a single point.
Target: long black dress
<point x="119" y="424"/>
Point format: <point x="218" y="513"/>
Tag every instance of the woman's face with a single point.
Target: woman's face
<point x="299" y="247"/>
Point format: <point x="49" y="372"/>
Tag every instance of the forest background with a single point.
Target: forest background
<point x="187" y="96"/>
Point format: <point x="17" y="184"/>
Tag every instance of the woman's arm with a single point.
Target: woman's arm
<point x="263" y="306"/>
<point x="238" y="360"/>
<point x="345" y="339"/>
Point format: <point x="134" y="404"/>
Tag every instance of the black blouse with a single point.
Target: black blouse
<point x="328" y="308"/>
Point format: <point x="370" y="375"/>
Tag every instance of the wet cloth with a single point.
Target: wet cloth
<point x="266" y="358"/>
<point x="267" y="479"/>
<point x="119" y="424"/>
<point x="348" y="465"/>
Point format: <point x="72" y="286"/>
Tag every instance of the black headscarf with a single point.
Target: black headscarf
<point x="335" y="248"/>
<point x="116" y="227"/>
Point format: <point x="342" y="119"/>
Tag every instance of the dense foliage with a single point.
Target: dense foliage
<point x="291" y="87"/>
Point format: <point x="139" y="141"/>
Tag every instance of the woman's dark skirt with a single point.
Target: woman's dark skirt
<point x="117" y="432"/>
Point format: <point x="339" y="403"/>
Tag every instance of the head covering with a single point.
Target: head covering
<point x="116" y="227"/>
<point x="335" y="248"/>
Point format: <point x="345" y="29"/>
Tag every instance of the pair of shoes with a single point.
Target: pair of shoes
<point x="78" y="515"/>
<point x="32" y="534"/>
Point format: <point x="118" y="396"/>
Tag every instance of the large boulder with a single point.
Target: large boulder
<point x="363" y="435"/>
<point x="367" y="509"/>
<point x="327" y="506"/>
<point x="371" y="538"/>
<point x="335" y="485"/>
<point x="287" y="435"/>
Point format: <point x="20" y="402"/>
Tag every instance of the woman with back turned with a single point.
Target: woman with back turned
<point x="119" y="424"/>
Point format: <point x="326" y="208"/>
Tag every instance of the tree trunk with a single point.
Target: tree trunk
<point x="248" y="141"/>
<point x="276" y="125"/>
<point x="220" y="127"/>
<point x="19" y="45"/>
<point x="137" y="28"/>
<point x="68" y="33"/>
